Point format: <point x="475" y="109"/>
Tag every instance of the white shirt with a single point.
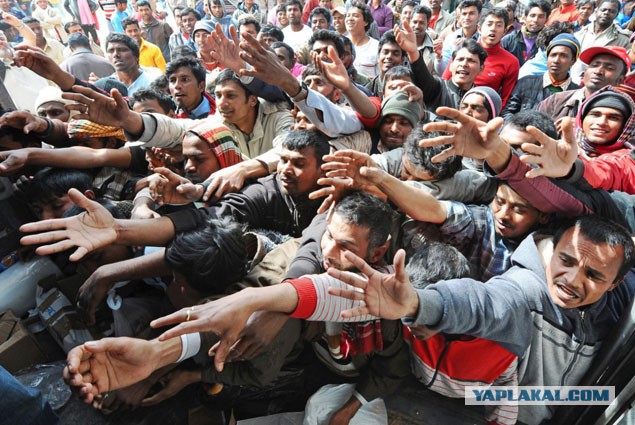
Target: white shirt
<point x="297" y="39"/>
<point x="366" y="58"/>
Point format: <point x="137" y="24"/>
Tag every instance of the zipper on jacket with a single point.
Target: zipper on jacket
<point x="577" y="351"/>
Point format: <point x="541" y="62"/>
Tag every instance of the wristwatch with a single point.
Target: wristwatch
<point x="302" y="94"/>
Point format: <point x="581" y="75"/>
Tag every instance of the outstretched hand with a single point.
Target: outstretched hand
<point x="87" y="231"/>
<point x="13" y="161"/>
<point x="467" y="137"/>
<point x="97" y="367"/>
<point x="225" y="317"/>
<point x="333" y="69"/>
<point x="225" y="51"/>
<point x="266" y="65"/>
<point x="25" y="121"/>
<point x="386" y="295"/>
<point x="167" y="187"/>
<point x="554" y="158"/>
<point x="43" y="65"/>
<point x="406" y="38"/>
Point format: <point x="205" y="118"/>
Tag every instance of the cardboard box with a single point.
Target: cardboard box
<point x="18" y="348"/>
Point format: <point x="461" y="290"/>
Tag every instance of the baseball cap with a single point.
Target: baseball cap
<point x="619" y="52"/>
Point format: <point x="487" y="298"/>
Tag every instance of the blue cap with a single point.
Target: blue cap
<point x="567" y="40"/>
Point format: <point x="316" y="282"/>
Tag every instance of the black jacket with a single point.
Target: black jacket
<point x="527" y="94"/>
<point x="514" y="43"/>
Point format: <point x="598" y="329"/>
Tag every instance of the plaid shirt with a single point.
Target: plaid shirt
<point x="470" y="229"/>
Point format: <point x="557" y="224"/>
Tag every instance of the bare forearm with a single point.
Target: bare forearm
<point x="499" y="156"/>
<point x="80" y="157"/>
<point x="151" y="265"/>
<point x="417" y="203"/>
<point x="154" y="232"/>
<point x="282" y="298"/>
<point x="360" y="102"/>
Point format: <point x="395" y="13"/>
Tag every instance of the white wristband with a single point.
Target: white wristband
<point x="190" y="346"/>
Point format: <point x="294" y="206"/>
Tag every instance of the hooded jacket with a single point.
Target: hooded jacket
<point x="225" y="21"/>
<point x="555" y="346"/>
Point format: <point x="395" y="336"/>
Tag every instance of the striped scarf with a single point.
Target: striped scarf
<point x="221" y="141"/>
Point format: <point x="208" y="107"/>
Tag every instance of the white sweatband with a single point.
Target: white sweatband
<point x="190" y="346"/>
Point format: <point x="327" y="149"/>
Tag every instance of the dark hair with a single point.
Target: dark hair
<point x="421" y="158"/>
<point x="321" y="11"/>
<point x="30" y="20"/>
<point x="188" y="10"/>
<point x="112" y="208"/>
<point x="600" y="3"/>
<point x="272" y="31"/>
<point x="229" y="75"/>
<point x="188" y="62"/>
<point x="117" y="37"/>
<point x="327" y="35"/>
<point x="470" y="3"/>
<point x="78" y="40"/>
<point x="366" y="210"/>
<point x="50" y="183"/>
<point x="367" y="15"/>
<point x="389" y="37"/>
<point x="249" y="20"/>
<point x="397" y="72"/>
<point x="211" y="257"/>
<point x="436" y="261"/>
<point x="289" y="49"/>
<point x="293" y="2"/>
<point x="310" y="70"/>
<point x="160" y="84"/>
<point x="581" y="3"/>
<point x="409" y="3"/>
<point x="550" y="32"/>
<point x="540" y="120"/>
<point x="121" y="1"/>
<point x="165" y="101"/>
<point x="178" y="7"/>
<point x="545" y="6"/>
<point x="129" y="21"/>
<point x="474" y="48"/>
<point x="497" y="12"/>
<point x="68" y="25"/>
<point x="422" y="10"/>
<point x="600" y="230"/>
<point x="144" y="3"/>
<point x="183" y="51"/>
<point x="281" y="8"/>
<point x="301" y="139"/>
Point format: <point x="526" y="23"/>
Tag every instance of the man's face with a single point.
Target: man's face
<point x="37" y="30"/>
<point x="469" y="18"/>
<point x="121" y="7"/>
<point x="581" y="272"/>
<point x="390" y="55"/>
<point x="232" y="102"/>
<point x="326" y="4"/>
<point x="585" y="11"/>
<point x="247" y="29"/>
<point x="74" y="29"/>
<point x="301" y="122"/>
<point x="200" y="37"/>
<point x="465" y="67"/>
<point x="535" y="20"/>
<point x="514" y="217"/>
<point x="200" y="160"/>
<point x="411" y="173"/>
<point x="560" y="60"/>
<point x="188" y="21"/>
<point x="321" y="47"/>
<point x="338" y="22"/>
<point x="606" y="14"/>
<point x="269" y="40"/>
<point x="435" y="4"/>
<point x="298" y="171"/>
<point x="55" y="207"/>
<point x="149" y="105"/>
<point x="294" y="14"/>
<point x="603" y="125"/>
<point x="146" y="13"/>
<point x="419" y="24"/>
<point x="393" y="130"/>
<point x="185" y="90"/>
<point x="341" y="237"/>
<point x="566" y="2"/>
<point x="177" y="18"/>
<point x="322" y="86"/>
<point x="4" y="5"/>
<point x="355" y="20"/>
<point x="43" y="4"/>
<point x="319" y="22"/>
<point x="474" y="106"/>
<point x="406" y="13"/>
<point x="283" y="57"/>
<point x="133" y="32"/>
<point x="347" y="58"/>
<point x="121" y="57"/>
<point x="53" y="110"/>
<point x="217" y="10"/>
<point x="604" y="70"/>
<point x="282" y="18"/>
<point x="492" y="31"/>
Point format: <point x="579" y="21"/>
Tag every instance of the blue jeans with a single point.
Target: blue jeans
<point x="22" y="405"/>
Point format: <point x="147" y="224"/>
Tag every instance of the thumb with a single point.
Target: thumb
<point x="494" y="125"/>
<point x="567" y="131"/>
<point x="118" y="97"/>
<point x="333" y="54"/>
<point x="399" y="262"/>
<point x="169" y="174"/>
<point x="102" y="345"/>
<point x="81" y="200"/>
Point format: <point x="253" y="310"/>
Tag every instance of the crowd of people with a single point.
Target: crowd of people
<point x="262" y="199"/>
